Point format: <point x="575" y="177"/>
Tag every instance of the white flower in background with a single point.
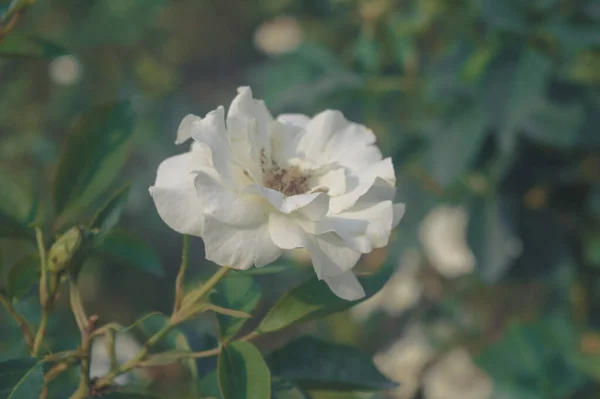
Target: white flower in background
<point x="252" y="186"/>
<point x="126" y="347"/>
<point x="65" y="70"/>
<point x="405" y="360"/>
<point x="443" y="236"/>
<point x="456" y="377"/>
<point x="400" y="293"/>
<point x="278" y="36"/>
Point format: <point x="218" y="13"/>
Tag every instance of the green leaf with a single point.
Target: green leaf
<point x="208" y="386"/>
<point x="110" y="214"/>
<point x="21" y="378"/>
<point x="238" y="293"/>
<point x="133" y="251"/>
<point x="94" y="153"/>
<point x="259" y="271"/>
<point x="556" y="125"/>
<point x="23" y="275"/>
<point x="504" y="15"/>
<point x="313" y="299"/>
<point x="17" y="207"/>
<point x="19" y="45"/>
<point x="316" y="364"/>
<point x="175" y="340"/>
<point x="243" y="373"/>
<point x="282" y="389"/>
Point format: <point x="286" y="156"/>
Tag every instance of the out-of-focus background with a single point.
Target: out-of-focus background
<point x="489" y="108"/>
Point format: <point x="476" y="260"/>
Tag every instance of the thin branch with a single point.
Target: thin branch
<point x="181" y="275"/>
<point x="20" y="320"/>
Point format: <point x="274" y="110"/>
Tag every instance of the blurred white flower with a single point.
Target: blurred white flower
<point x="404" y="361"/>
<point x="126" y="347"/>
<point x="443" y="236"/>
<point x="278" y="36"/>
<point x="400" y="293"/>
<point x="456" y="377"/>
<point x="252" y="186"/>
<point x="65" y="70"/>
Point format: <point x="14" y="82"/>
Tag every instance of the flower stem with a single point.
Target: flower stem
<point x="20" y="320"/>
<point x="44" y="298"/>
<point x="153" y="340"/>
<point x="181" y="275"/>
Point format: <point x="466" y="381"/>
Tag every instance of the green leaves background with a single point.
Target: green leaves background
<point x="491" y="105"/>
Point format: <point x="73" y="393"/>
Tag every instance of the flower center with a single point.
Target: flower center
<point x="289" y="181"/>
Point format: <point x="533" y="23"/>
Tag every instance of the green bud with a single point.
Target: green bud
<point x="64" y="249"/>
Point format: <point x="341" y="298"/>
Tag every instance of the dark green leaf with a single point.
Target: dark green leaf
<point x="21" y="378"/>
<point x="313" y="299"/>
<point x="23" y="275"/>
<point x="556" y="125"/>
<point x="95" y="151"/>
<point x="17" y="207"/>
<point x="238" y="293"/>
<point x="208" y="386"/>
<point x="108" y="217"/>
<point x="133" y="251"/>
<point x="316" y="364"/>
<point x="504" y="15"/>
<point x="282" y="389"/>
<point x="243" y="373"/>
<point x="19" y="45"/>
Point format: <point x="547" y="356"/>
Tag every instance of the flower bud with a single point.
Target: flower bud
<point x="64" y="248"/>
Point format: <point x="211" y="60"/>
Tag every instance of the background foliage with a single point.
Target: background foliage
<point x="489" y="108"/>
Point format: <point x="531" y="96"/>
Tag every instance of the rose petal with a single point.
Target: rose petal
<point x="346" y="286"/>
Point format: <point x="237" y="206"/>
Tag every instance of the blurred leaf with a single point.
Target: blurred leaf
<point x="239" y="293"/>
<point x="556" y="125"/>
<point x="133" y="251"/>
<point x="108" y="217"/>
<point x="242" y="372"/>
<point x="175" y="339"/>
<point x="492" y="238"/>
<point x="282" y="389"/>
<point x="208" y="386"/>
<point x="531" y="361"/>
<point x="93" y="155"/>
<point x="18" y="45"/>
<point x="313" y="300"/>
<point x="21" y="378"/>
<point x="367" y="51"/>
<point x="23" y="275"/>
<point x="17" y="207"/>
<point x="464" y="135"/>
<point x="504" y="15"/>
<point x="318" y="365"/>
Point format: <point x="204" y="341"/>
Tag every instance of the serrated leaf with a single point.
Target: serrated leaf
<point x="18" y="45"/>
<point x="110" y="214"/>
<point x="243" y="373"/>
<point x="133" y="251"/>
<point x="313" y="299"/>
<point x="21" y="378"/>
<point x="316" y="364"/>
<point x="22" y="276"/>
<point x="95" y="150"/>
<point x="239" y="293"/>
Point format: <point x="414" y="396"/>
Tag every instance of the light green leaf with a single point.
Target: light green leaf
<point x="243" y="373"/>
<point x="21" y="378"/>
<point x="313" y="299"/>
<point x="316" y="364"/>
<point x="133" y="251"/>
<point x="238" y="293"/>
<point x="108" y="217"/>
<point x="18" y="45"/>
<point x="93" y="155"/>
<point x="23" y="275"/>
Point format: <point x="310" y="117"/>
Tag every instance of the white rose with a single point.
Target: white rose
<point x="252" y="186"/>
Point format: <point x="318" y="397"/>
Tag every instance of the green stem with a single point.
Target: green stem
<point x="41" y="332"/>
<point x="181" y="275"/>
<point x="44" y="299"/>
<point x="20" y="320"/>
<point x="153" y="340"/>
